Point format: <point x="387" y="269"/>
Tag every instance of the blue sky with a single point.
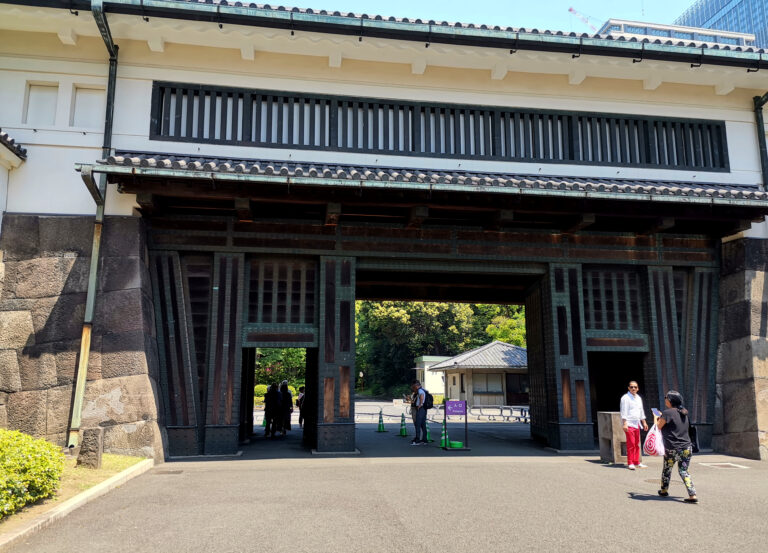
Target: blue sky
<point x="539" y="14"/>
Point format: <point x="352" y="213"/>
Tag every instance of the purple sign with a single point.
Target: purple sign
<point x="453" y="407"/>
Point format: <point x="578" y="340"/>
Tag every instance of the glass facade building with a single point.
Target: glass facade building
<point x="745" y="16"/>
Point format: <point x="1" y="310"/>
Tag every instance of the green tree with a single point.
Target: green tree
<point x="273" y="365"/>
<point x="391" y="334"/>
<point x="509" y="327"/>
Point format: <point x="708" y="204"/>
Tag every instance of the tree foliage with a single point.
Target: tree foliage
<point x="391" y="334"/>
<point x="273" y="365"/>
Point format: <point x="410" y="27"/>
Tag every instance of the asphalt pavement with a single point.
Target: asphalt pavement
<point x="506" y="494"/>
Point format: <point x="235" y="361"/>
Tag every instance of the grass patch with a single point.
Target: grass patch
<point x="74" y="480"/>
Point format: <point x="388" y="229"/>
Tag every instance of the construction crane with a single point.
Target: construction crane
<point x="583" y="17"/>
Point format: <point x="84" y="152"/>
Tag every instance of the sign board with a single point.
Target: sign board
<point x="454" y="407"/>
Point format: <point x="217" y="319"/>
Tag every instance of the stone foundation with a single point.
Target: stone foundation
<point x="741" y="404"/>
<point x="43" y="283"/>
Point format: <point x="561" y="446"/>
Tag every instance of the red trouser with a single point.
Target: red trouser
<point x="633" y="445"/>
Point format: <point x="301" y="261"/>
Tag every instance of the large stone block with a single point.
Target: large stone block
<point x="37" y="367"/>
<point x="119" y="400"/>
<point x="58" y="409"/>
<point x="756" y="254"/>
<point x="123" y="236"/>
<point x="59" y="319"/>
<point x="64" y="235"/>
<point x="49" y="276"/>
<point x="124" y="354"/>
<point x="119" y="311"/>
<point x="139" y="439"/>
<point x="733" y="258"/>
<point x="735" y="288"/>
<point x="121" y="273"/>
<point x="735" y="359"/>
<point x="761" y="403"/>
<point x="741" y="444"/>
<point x="739" y="409"/>
<point x="735" y="321"/>
<point x="27" y="412"/>
<point x="760" y="357"/>
<point x="16" y="329"/>
<point x="10" y="377"/>
<point x="717" y="427"/>
<point x="20" y="238"/>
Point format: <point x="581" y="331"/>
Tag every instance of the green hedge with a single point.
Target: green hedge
<point x="29" y="470"/>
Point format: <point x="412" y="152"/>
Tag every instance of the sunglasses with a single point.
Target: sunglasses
<point x="633" y="387"/>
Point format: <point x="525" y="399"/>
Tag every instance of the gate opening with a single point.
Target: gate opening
<point x="609" y="375"/>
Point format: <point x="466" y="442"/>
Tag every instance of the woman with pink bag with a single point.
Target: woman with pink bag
<point x="674" y="425"/>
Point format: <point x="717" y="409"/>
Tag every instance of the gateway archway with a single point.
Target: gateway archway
<point x="261" y="259"/>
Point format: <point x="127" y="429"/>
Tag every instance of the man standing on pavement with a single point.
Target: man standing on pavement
<point x="632" y="416"/>
<point x="420" y="418"/>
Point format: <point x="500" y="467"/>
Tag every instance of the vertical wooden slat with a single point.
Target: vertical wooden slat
<point x="236" y="116"/>
<point x="269" y="136"/>
<point x="258" y="117"/>
<point x="165" y="129"/>
<point x="376" y="140"/>
<point x="314" y="139"/>
<point x="281" y="105"/>
<point x="345" y="325"/>
<point x="225" y="97"/>
<point x="573" y="286"/>
<point x="202" y="96"/>
<point x="329" y="393"/>
<point x="232" y="335"/>
<point x="330" y="311"/>
<point x="247" y="117"/>
<point x="565" y="384"/>
<point x="612" y="140"/>
<point x="345" y="383"/>
<point x="545" y="145"/>
<point x="581" y="401"/>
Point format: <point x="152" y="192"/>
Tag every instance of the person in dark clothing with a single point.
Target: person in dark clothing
<point x="300" y="405"/>
<point x="286" y="407"/>
<point x="675" y="426"/>
<point x="272" y="410"/>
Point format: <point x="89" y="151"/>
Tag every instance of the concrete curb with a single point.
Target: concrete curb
<point x="73" y="503"/>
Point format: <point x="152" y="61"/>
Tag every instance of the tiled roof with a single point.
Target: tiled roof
<point x="11" y="144"/>
<point x="496" y="355"/>
<point x="313" y="173"/>
<point x="460" y="25"/>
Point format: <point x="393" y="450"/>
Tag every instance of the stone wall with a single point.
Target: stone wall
<point x="43" y="282"/>
<point x="741" y="404"/>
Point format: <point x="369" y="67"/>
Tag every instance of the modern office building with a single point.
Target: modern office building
<point x="748" y="16"/>
<point x="676" y="34"/>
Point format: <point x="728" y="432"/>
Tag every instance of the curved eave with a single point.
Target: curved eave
<point x="419" y="32"/>
<point x="348" y="183"/>
<point x="479" y="367"/>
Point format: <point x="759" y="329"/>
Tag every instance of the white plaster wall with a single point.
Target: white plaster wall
<point x="47" y="183"/>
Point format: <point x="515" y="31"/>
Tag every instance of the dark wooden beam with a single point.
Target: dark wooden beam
<point x="582" y="222"/>
<point x="146" y="203"/>
<point x="243" y="209"/>
<point x="332" y="214"/>
<point x="417" y="216"/>
<point x="501" y="218"/>
<point x="660" y="224"/>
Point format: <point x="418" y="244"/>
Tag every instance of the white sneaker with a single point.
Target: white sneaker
<point x="631" y="467"/>
<point x="642" y="466"/>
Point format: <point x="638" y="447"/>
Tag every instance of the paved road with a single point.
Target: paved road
<point x="507" y="494"/>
